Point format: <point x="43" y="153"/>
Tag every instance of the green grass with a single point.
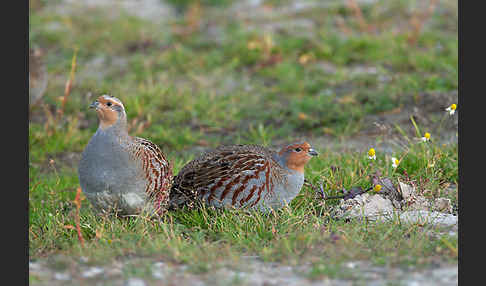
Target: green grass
<point x="302" y="232"/>
<point x="186" y="92"/>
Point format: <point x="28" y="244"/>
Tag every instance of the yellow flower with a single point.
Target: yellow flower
<point x="372" y="154"/>
<point x="305" y="58"/>
<point x="268" y="42"/>
<point x="426" y="137"/>
<point x="302" y="116"/>
<point x="451" y="109"/>
<point x="252" y="45"/>
<point x="395" y="162"/>
<point x="377" y="188"/>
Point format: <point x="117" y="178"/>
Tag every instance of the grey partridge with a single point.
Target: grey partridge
<point x="242" y="176"/>
<point x="118" y="172"/>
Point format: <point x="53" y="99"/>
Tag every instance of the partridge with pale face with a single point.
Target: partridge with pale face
<point x="243" y="176"/>
<point x="120" y="172"/>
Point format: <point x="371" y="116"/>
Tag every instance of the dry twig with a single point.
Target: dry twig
<point x="77" y="202"/>
<point x="69" y="84"/>
<point x="363" y="25"/>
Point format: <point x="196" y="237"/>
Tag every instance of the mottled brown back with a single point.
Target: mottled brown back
<point x="225" y="173"/>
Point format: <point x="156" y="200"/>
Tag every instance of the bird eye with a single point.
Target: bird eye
<point x="298" y="149"/>
<point x="108" y="103"/>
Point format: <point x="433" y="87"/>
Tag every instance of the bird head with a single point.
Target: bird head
<point x="110" y="110"/>
<point x="295" y="156"/>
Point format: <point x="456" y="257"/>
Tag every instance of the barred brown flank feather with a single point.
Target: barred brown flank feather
<point x="219" y="184"/>
<point x="244" y="200"/>
<point x="260" y="189"/>
<point x="210" y="197"/>
<point x="236" y="193"/>
<point x="228" y="187"/>
<point x="267" y="174"/>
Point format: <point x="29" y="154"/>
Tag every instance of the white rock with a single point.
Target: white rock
<point x="446" y="275"/>
<point x="419" y="203"/>
<point x="34" y="266"/>
<point x="374" y="205"/>
<point x="134" y="282"/>
<point x="92" y="272"/>
<point x="158" y="273"/>
<point x="442" y="205"/>
<point x="406" y="190"/>
<point x="421" y="216"/>
<point x="351" y="264"/>
<point x="62" y="276"/>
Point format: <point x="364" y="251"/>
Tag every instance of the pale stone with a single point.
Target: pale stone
<point x="442" y="205"/>
<point x="134" y="282"/>
<point x="92" y="272"/>
<point x="421" y="216"/>
<point x="406" y="190"/>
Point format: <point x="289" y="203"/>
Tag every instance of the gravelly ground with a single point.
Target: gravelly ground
<point x="251" y="272"/>
<point x="247" y="270"/>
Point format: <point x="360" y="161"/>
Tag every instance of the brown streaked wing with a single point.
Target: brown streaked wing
<point x="218" y="166"/>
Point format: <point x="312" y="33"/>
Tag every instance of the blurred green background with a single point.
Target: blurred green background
<point x="201" y="73"/>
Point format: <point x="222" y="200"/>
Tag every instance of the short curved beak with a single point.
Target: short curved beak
<point x="94" y="104"/>
<point x="312" y="152"/>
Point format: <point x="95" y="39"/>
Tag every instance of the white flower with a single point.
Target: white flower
<point x="372" y="154"/>
<point x="395" y="162"/>
<point x="451" y="109"/>
<point x="426" y="137"/>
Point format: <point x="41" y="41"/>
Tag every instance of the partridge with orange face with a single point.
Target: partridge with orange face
<point x="243" y="176"/>
<point x="120" y="172"/>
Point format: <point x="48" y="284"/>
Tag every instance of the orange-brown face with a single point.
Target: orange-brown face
<point x="297" y="155"/>
<point x="109" y="110"/>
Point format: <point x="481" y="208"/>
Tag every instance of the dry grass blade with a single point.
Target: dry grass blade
<point x="38" y="77"/>
<point x="342" y="26"/>
<point x="69" y="83"/>
<point x="310" y="185"/>
<point x="417" y="21"/>
<point x="347" y="194"/>
<point x="192" y="20"/>
<point x="449" y="245"/>
<point x="34" y="187"/>
<point x="77" y="202"/>
<point x="363" y="25"/>
<point x="50" y="122"/>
